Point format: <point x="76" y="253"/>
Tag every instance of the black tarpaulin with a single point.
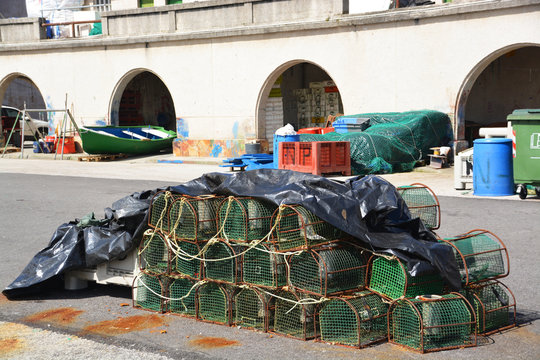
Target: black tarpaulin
<point x="368" y="208"/>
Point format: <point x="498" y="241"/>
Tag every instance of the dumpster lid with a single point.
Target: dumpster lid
<point x="524" y="114"/>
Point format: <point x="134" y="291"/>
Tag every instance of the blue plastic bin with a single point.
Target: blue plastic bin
<point x="493" y="172"/>
<point x="277" y="140"/>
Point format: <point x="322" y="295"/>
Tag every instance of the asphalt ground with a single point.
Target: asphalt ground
<point x="98" y="322"/>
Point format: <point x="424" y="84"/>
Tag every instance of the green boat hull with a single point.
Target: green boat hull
<point x="96" y="141"/>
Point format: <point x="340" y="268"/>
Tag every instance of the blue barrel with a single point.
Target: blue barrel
<point x="493" y="172"/>
<point x="277" y="140"/>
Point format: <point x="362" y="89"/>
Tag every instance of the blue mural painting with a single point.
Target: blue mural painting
<point x="182" y="128"/>
<point x="216" y="150"/>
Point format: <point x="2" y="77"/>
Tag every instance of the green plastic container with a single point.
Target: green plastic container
<point x="525" y="125"/>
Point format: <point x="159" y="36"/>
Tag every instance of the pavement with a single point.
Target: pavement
<point x="167" y="167"/>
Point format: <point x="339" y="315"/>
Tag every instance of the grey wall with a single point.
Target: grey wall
<point x="13" y="8"/>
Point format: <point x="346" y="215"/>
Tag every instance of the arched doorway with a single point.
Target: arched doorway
<point x="17" y="92"/>
<point x="299" y="93"/>
<point x="141" y="98"/>
<point x="506" y="80"/>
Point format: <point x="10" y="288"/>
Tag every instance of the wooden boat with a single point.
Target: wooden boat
<point x="125" y="139"/>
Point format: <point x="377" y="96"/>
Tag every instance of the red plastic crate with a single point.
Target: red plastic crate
<point x="316" y="157"/>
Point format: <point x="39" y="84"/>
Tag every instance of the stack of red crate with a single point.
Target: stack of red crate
<point x="316" y="157"/>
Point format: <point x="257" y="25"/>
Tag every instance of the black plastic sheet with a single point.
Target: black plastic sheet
<point x="368" y="208"/>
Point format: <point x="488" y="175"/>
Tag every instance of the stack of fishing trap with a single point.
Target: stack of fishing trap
<point x="241" y="261"/>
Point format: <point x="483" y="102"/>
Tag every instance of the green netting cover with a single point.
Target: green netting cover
<point x="394" y="142"/>
<point x="494" y="306"/>
<point x="431" y="325"/>
<point x="223" y="262"/>
<point x="251" y="309"/>
<point x="182" y="296"/>
<point x="183" y="264"/>
<point x="213" y="303"/>
<point x="147" y="292"/>
<point x="354" y="321"/>
<point x="262" y="266"/>
<point x="422" y="203"/>
<point x="294" y="319"/>
<point x="154" y="253"/>
<point x="194" y="219"/>
<point x="391" y="278"/>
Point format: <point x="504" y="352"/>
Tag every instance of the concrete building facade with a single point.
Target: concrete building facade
<point x="214" y="69"/>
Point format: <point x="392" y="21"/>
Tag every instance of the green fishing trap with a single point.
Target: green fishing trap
<point x="494" y="305"/>
<point x="158" y="214"/>
<point x="328" y="270"/>
<point x="244" y="219"/>
<point x="356" y="321"/>
<point x="149" y="292"/>
<point x="194" y="219"/>
<point x="186" y="259"/>
<point x="480" y="255"/>
<point x="390" y="278"/>
<point x="422" y="203"/>
<point x="154" y="256"/>
<point x="214" y="303"/>
<point x="294" y="315"/>
<point x="223" y="262"/>
<point x="253" y="309"/>
<point x="182" y="296"/>
<point x="432" y="323"/>
<point x="296" y="228"/>
<point x="262" y="266"/>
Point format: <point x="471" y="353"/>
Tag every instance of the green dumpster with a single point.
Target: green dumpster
<point x="525" y="124"/>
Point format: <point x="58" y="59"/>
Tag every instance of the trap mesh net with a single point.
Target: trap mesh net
<point x="213" y="303"/>
<point x="294" y="319"/>
<point x="262" y="266"/>
<point x="148" y="292"/>
<point x="354" y="321"/>
<point x="494" y="305"/>
<point x="182" y="296"/>
<point x="438" y="323"/>
<point x="394" y="142"/>
<point x="154" y="253"/>
<point x="158" y="217"/>
<point x="223" y="262"/>
<point x="328" y="270"/>
<point x="480" y="255"/>
<point x="244" y="219"/>
<point x="422" y="203"/>
<point x="297" y="228"/>
<point x="185" y="261"/>
<point x="194" y="219"/>
<point x="252" y="309"/>
<point x="390" y="278"/>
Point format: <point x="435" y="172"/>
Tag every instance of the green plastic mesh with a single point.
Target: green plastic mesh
<point x="245" y="219"/>
<point x="182" y="294"/>
<point x="229" y="269"/>
<point x="154" y="253"/>
<point x="356" y="321"/>
<point x="263" y="267"/>
<point x="185" y="265"/>
<point x="328" y="271"/>
<point x="148" y="292"/>
<point x="422" y="203"/>
<point x="194" y="219"/>
<point x="390" y="278"/>
<point x="213" y="303"/>
<point x="493" y="304"/>
<point x="481" y="256"/>
<point x="292" y="319"/>
<point x="158" y="217"/>
<point x="298" y="228"/>
<point x="446" y="323"/>
<point x="394" y="142"/>
<point x="251" y="309"/>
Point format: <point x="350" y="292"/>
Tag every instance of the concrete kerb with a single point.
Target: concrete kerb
<point x="167" y="167"/>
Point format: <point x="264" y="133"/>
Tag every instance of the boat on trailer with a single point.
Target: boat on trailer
<point x="134" y="140"/>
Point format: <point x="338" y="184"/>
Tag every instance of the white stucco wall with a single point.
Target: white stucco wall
<point x="216" y="82"/>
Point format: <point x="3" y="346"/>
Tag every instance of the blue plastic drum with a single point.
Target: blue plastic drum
<point x="493" y="172"/>
<point x="277" y="140"/>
